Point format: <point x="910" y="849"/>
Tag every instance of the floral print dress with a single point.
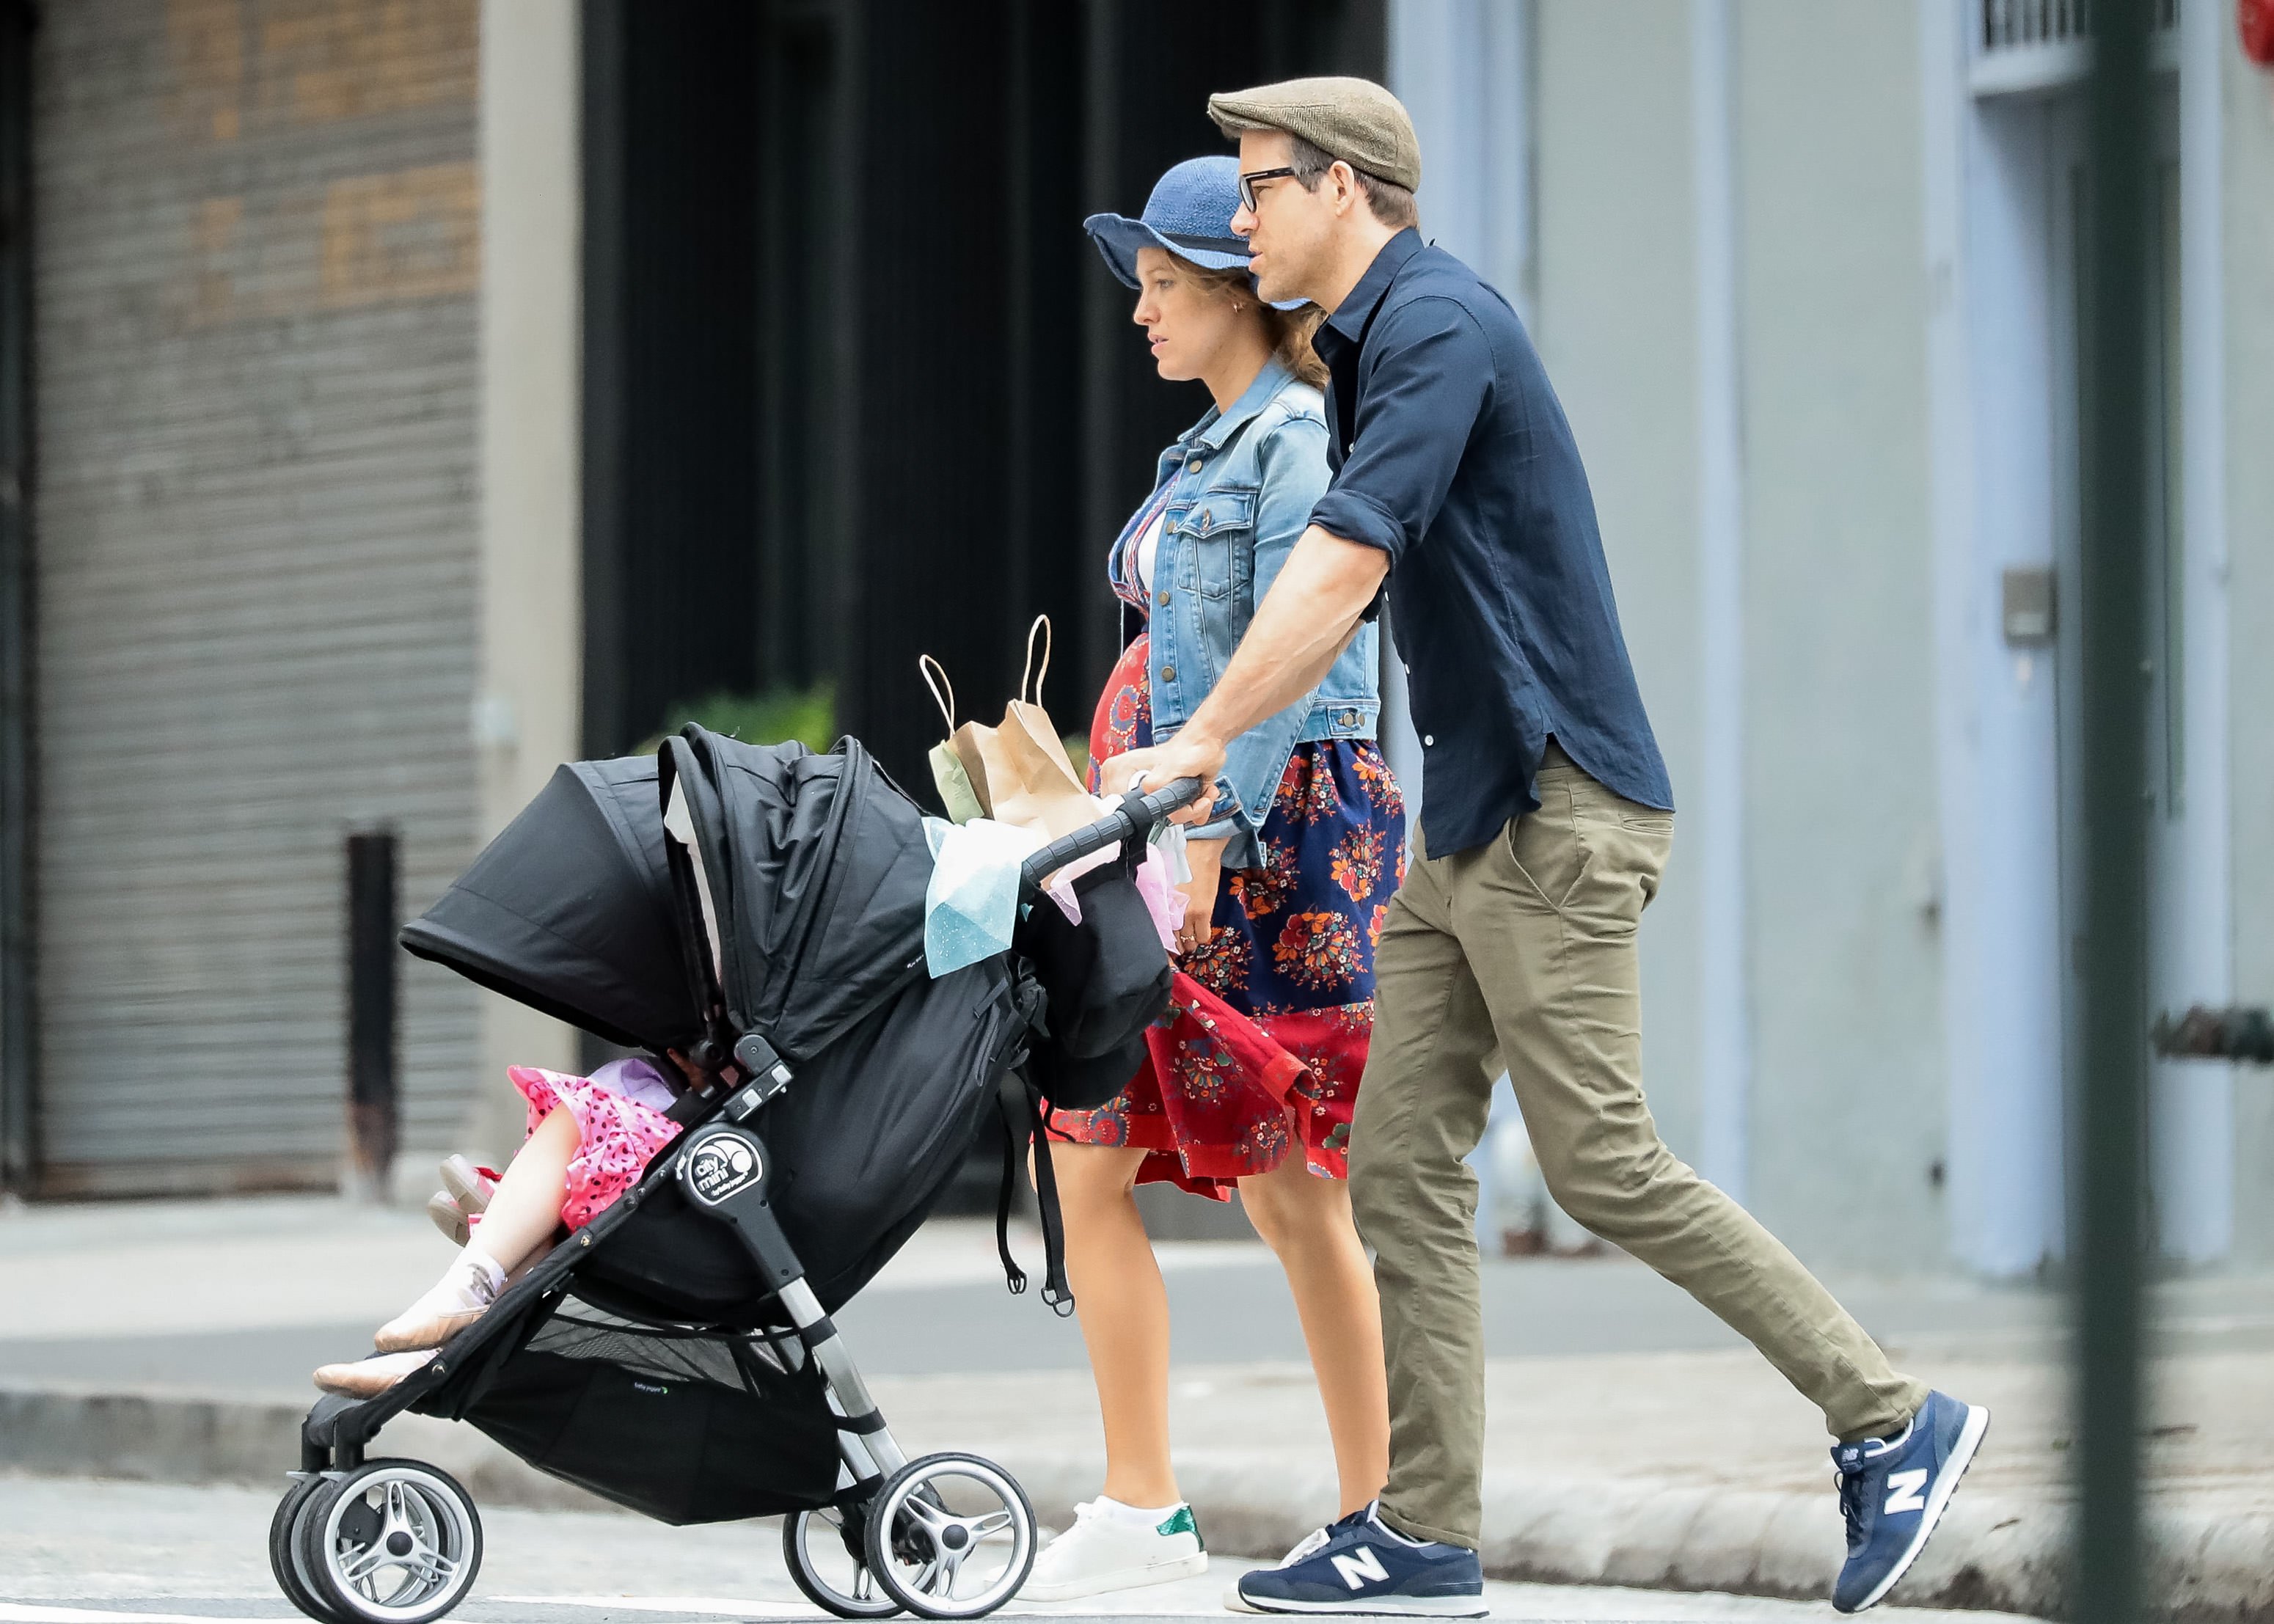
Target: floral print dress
<point x="1265" y="1037"/>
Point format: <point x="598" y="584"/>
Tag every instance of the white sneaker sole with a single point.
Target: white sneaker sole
<point x="1118" y="1579"/>
<point x="1421" y="1607"/>
<point x="1961" y="1457"/>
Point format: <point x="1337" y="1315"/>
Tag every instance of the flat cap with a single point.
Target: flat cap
<point x="1353" y="119"/>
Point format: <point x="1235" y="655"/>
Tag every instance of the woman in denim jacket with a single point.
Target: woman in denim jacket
<point x="1251" y="1076"/>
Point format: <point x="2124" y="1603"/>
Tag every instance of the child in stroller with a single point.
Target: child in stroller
<point x="676" y="1354"/>
<point x="589" y="1140"/>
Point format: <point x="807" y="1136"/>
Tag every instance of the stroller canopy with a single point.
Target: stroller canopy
<point x="815" y="867"/>
<point x="571" y="910"/>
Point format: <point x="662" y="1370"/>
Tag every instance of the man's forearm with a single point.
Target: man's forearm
<point x="1300" y="628"/>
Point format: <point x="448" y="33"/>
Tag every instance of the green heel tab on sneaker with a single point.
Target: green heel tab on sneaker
<point x="1182" y="1522"/>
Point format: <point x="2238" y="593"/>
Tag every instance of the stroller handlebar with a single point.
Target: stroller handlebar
<point x="1133" y="818"/>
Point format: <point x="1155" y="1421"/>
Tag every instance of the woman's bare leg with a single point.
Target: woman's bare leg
<point x="1306" y="1220"/>
<point x="525" y="1209"/>
<point x="1124" y="1309"/>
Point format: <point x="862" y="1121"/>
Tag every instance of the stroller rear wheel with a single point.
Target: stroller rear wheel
<point x="827" y="1557"/>
<point x="950" y="1536"/>
<point x="391" y="1542"/>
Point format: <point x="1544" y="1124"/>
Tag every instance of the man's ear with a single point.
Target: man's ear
<point x="1345" y="179"/>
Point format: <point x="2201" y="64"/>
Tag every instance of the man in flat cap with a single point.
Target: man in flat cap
<point x="1547" y="821"/>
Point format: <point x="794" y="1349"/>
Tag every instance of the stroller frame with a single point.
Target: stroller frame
<point x="894" y="1513"/>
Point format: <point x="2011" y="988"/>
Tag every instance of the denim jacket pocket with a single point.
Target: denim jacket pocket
<point x="1216" y="534"/>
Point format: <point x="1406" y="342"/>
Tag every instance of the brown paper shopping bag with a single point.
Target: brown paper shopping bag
<point x="948" y="775"/>
<point x="1030" y="780"/>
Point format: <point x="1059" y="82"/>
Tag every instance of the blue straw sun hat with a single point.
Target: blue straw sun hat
<point x="1189" y="214"/>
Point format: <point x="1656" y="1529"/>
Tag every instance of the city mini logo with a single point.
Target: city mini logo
<point x="1358" y="1566"/>
<point x="722" y="1166"/>
<point x="1903" y="1492"/>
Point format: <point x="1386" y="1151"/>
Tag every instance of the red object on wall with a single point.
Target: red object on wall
<point x="2254" y="20"/>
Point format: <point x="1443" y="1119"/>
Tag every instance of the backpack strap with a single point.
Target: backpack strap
<point x="1025" y="1127"/>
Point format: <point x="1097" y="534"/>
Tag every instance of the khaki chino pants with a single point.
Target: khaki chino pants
<point x="1525" y="948"/>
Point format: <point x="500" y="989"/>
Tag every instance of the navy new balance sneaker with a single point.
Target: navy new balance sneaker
<point x="1893" y="1491"/>
<point x="1359" y="1565"/>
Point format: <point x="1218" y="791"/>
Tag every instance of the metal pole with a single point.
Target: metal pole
<point x="373" y="1107"/>
<point x="19" y="1010"/>
<point x="2111" y="1073"/>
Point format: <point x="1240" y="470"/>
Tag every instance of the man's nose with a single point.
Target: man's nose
<point x="1243" y="222"/>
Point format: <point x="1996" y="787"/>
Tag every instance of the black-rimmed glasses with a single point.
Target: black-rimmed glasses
<point x="1247" y="184"/>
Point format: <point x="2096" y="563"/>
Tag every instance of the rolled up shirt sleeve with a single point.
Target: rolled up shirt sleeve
<point x="1430" y="375"/>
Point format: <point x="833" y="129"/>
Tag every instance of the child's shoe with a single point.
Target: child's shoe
<point x="449" y="1217"/>
<point x="465" y="1193"/>
<point x="464" y="1295"/>
<point x="368" y="1378"/>
<point x="469" y="1186"/>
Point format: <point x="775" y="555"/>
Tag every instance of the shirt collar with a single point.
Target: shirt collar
<point x="1350" y="317"/>
<point x="1218" y="426"/>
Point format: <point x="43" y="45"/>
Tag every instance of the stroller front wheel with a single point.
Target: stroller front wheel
<point x="284" y="1560"/>
<point x="950" y="1536"/>
<point x="391" y="1542"/>
<point x="827" y="1557"/>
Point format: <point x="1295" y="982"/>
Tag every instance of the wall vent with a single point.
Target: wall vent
<point x="2025" y="46"/>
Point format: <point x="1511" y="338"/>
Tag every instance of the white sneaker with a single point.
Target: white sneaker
<point x="1236" y="1603"/>
<point x="1112" y="1547"/>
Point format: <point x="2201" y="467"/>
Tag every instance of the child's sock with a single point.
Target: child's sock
<point x="463" y="1294"/>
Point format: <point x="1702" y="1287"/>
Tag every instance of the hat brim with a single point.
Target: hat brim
<point x="1118" y="239"/>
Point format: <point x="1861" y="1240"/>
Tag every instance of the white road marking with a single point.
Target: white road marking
<point x="25" y="1613"/>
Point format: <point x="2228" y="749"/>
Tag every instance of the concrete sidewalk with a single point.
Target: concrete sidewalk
<point x="1632" y="1441"/>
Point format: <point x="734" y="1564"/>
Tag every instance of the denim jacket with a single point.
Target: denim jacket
<point x="1240" y="485"/>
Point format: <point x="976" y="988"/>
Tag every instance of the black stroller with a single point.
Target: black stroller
<point x="760" y="909"/>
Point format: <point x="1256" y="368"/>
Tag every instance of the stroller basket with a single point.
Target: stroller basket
<point x="676" y="1355"/>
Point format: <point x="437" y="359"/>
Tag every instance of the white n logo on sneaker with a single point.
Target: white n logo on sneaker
<point x="1903" y="1492"/>
<point x="1358" y="1566"/>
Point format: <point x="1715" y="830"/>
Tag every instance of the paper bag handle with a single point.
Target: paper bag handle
<point x="1040" y="629"/>
<point x="925" y="667"/>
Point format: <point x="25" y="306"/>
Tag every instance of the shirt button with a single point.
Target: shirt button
<point x="1168" y="673"/>
<point x="1429" y="739"/>
<point x="1161" y="596"/>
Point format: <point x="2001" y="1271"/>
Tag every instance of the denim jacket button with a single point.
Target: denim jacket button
<point x="1168" y="673"/>
<point x="1161" y="596"/>
<point x="1194" y="465"/>
<point x="1350" y="718"/>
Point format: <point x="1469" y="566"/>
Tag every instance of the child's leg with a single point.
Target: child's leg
<point x="525" y="1209"/>
<point x="522" y="1216"/>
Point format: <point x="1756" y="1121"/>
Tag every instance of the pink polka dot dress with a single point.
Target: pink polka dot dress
<point x="620" y="1118"/>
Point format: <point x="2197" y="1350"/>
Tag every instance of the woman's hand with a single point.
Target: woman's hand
<point x="1187" y="755"/>
<point x="1206" y="859"/>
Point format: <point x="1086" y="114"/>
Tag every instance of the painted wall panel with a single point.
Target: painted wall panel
<point x="1617" y="325"/>
<point x="1846" y="1108"/>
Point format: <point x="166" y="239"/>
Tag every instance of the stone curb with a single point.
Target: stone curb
<point x="1992" y="1552"/>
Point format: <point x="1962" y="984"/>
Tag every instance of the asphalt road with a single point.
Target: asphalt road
<point x="81" y="1552"/>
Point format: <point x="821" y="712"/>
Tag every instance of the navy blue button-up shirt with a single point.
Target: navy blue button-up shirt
<point x="1450" y="453"/>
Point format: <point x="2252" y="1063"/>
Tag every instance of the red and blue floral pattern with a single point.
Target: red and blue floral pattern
<point x="1266" y="1035"/>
